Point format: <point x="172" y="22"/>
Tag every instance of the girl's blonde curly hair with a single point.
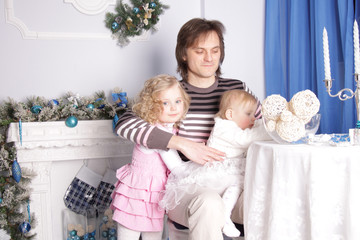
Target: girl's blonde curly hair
<point x="148" y="105"/>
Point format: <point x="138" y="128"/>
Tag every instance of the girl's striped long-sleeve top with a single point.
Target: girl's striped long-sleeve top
<point x="196" y="125"/>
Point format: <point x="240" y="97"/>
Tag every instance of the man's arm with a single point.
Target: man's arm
<point x="196" y="152"/>
<point x="133" y="128"/>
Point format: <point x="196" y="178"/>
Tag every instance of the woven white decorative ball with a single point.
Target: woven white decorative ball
<point x="71" y="227"/>
<point x="286" y="116"/>
<point x="81" y="232"/>
<point x="270" y="125"/>
<point x="305" y="105"/>
<point x="108" y="213"/>
<point x="90" y="228"/>
<point x="273" y="106"/>
<point x="78" y="227"/>
<point x="292" y="129"/>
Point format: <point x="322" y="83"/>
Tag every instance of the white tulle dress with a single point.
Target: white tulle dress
<point x="227" y="137"/>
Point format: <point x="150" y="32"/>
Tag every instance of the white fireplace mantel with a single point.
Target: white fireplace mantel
<point x="56" y="152"/>
<point x="54" y="141"/>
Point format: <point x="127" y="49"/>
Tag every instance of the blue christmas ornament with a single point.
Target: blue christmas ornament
<point x="358" y="124"/>
<point x="112" y="231"/>
<point x="114" y="25"/>
<point x="16" y="171"/>
<point x="104" y="234"/>
<point x="112" y="238"/>
<point x="152" y="5"/>
<point x="91" y="238"/>
<point x="72" y="233"/>
<point x="53" y="102"/>
<point x="76" y="237"/>
<point x="24" y="227"/>
<point x="136" y="10"/>
<point x="36" y="109"/>
<point x="90" y="106"/>
<point x="71" y="121"/>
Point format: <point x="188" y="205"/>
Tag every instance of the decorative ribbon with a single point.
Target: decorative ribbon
<point x="147" y="13"/>
<point x="129" y="23"/>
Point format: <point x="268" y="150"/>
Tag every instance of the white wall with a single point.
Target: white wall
<point x="43" y="58"/>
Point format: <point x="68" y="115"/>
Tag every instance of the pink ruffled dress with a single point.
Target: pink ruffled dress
<point x="138" y="191"/>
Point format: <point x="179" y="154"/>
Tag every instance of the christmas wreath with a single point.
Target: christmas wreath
<point x="133" y="21"/>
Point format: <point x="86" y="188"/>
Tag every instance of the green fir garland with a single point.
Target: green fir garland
<point x="133" y="21"/>
<point x="14" y="196"/>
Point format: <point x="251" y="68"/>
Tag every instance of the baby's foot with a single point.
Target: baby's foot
<point x="230" y="230"/>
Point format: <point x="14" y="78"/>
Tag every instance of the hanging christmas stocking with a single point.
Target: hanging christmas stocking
<point x="102" y="198"/>
<point x="79" y="196"/>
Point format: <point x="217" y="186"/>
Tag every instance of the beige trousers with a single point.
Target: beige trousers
<point x="203" y="213"/>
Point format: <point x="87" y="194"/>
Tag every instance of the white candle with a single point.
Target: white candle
<point x="356" y="48"/>
<point x="326" y="55"/>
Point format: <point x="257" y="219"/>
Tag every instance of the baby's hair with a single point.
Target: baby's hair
<point x="234" y="98"/>
<point x="149" y="106"/>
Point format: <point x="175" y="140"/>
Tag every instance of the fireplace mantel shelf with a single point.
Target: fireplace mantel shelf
<point x="88" y="140"/>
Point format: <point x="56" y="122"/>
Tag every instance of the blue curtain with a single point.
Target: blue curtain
<point x="294" y="54"/>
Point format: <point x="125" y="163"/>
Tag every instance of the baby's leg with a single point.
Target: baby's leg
<point x="126" y="233"/>
<point x="230" y="198"/>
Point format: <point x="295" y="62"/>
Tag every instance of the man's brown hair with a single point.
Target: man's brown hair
<point x="188" y="36"/>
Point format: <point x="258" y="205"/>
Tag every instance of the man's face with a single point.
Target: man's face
<point x="203" y="57"/>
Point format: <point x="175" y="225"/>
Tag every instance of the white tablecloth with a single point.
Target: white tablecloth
<point x="302" y="192"/>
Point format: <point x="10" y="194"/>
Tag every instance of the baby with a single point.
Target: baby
<point x="234" y="130"/>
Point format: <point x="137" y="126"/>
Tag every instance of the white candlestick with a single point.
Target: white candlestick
<point x="356" y="48"/>
<point x="326" y="55"/>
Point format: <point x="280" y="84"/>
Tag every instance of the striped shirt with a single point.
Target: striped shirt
<point x="197" y="124"/>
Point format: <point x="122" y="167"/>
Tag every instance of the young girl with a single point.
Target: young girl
<point x="235" y="128"/>
<point x="162" y="102"/>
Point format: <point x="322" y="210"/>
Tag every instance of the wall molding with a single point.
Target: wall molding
<point x="91" y="7"/>
<point x="27" y="33"/>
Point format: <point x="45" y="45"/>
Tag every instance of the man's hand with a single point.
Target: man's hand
<point x="196" y="152"/>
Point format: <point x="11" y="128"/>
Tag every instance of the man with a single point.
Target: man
<point x="199" y="54"/>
